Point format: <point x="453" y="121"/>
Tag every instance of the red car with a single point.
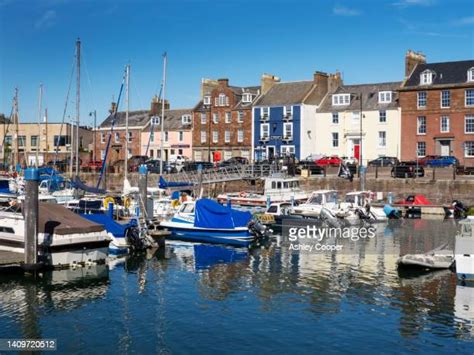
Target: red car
<point x="332" y="160"/>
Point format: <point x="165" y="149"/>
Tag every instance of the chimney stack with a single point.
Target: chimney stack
<point x="207" y="85"/>
<point x="412" y="59"/>
<point x="223" y="82"/>
<point x="155" y="108"/>
<point x="334" y="81"/>
<point x="267" y="82"/>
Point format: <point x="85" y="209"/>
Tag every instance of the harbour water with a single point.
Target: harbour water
<point x="196" y="298"/>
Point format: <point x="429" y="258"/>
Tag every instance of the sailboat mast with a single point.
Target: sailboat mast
<point x="46" y="147"/>
<point x="127" y="98"/>
<point x="15" y="139"/>
<point x="38" y="139"/>
<point x="71" y="134"/>
<point x="162" y="133"/>
<point x="78" y="99"/>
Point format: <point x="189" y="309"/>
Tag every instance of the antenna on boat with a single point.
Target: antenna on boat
<point x="126" y="184"/>
<point x="15" y="140"/>
<point x="162" y="133"/>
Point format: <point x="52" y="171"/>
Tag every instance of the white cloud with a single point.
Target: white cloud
<point x="406" y="3"/>
<point x="345" y="11"/>
<point x="46" y="20"/>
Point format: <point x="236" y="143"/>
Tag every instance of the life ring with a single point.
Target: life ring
<point x="107" y="200"/>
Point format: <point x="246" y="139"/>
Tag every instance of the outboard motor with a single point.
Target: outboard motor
<point x="259" y="230"/>
<point x="459" y="210"/>
<point x="135" y="239"/>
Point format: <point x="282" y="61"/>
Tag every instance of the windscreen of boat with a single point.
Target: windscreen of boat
<point x="316" y="199"/>
<point x="350" y="198"/>
<point x="57" y="219"/>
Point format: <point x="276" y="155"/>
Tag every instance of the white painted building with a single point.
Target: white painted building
<point x="339" y="129"/>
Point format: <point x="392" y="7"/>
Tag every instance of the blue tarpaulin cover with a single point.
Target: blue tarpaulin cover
<point x="166" y="184"/>
<point x="4" y="186"/>
<point x="210" y="214"/>
<point x="117" y="229"/>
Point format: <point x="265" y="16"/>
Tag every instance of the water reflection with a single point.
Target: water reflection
<point x="269" y="299"/>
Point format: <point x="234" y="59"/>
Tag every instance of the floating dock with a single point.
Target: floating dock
<point x="10" y="261"/>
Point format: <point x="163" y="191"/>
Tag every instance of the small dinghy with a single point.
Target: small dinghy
<point x="438" y="258"/>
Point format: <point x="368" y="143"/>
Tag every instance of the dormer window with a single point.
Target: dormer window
<point x="155" y="120"/>
<point x="426" y="78"/>
<point x="385" y="97"/>
<point x="341" y="99"/>
<point x="186" y="119"/>
<point x="470" y="74"/>
<point x="247" y="98"/>
<point x="207" y="100"/>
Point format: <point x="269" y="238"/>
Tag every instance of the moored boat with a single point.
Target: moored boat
<point x="464" y="250"/>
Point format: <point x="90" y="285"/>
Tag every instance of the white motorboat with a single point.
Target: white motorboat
<point x="276" y="189"/>
<point x="464" y="250"/>
<point x="357" y="206"/>
<point x="316" y="202"/>
<point x="64" y="238"/>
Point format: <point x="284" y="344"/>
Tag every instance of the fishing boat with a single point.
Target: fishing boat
<point x="64" y="238"/>
<point x="464" y="250"/>
<point x="276" y="189"/>
<point x="206" y="221"/>
<point x="316" y="202"/>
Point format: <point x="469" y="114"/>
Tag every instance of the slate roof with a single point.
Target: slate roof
<point x="370" y="97"/>
<point x="445" y="73"/>
<point x="135" y="119"/>
<point x="288" y="93"/>
<point x="173" y="120"/>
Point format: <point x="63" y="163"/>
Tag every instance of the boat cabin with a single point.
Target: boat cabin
<point x="281" y="184"/>
<point x="322" y="197"/>
<point x="358" y="198"/>
<point x="279" y="209"/>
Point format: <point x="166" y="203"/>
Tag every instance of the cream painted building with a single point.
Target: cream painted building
<point x="345" y="127"/>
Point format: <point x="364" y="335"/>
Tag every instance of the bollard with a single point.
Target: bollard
<point x="376" y="172"/>
<point x="31" y="213"/>
<point x="454" y="172"/>
<point x="143" y="189"/>
<point x="434" y="173"/>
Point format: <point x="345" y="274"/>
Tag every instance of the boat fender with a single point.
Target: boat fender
<point x="107" y="200"/>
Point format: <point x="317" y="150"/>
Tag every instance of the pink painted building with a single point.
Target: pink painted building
<point x="177" y="135"/>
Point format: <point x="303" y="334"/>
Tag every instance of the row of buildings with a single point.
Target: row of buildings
<point x="429" y="111"/>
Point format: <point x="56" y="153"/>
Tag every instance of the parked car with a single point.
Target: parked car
<point x="442" y="161"/>
<point x="194" y="165"/>
<point x="135" y="161"/>
<point x="332" y="160"/>
<point x="234" y="161"/>
<point x="92" y="165"/>
<point x="384" y="161"/>
<point x="153" y="166"/>
<point x="407" y="169"/>
<point x="178" y="159"/>
<point x="310" y="165"/>
<point x="350" y="160"/>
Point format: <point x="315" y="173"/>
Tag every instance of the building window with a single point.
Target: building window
<point x="228" y="117"/>
<point x="469" y="149"/>
<point x="240" y="117"/>
<point x="215" y="136"/>
<point x="264" y="130"/>
<point x="421" y="125"/>
<point x="129" y="137"/>
<point x="180" y="151"/>
<point x="215" y="117"/>
<point x="186" y="119"/>
<point x="155" y="120"/>
<point x="227" y="136"/>
<point x="197" y="155"/>
<point x="470" y="74"/>
<point x="385" y="97"/>
<point x="444" y="124"/>
<point x="247" y="98"/>
<point x="382" y="139"/>
<point x="117" y="137"/>
<point x="8" y="140"/>
<point x="203" y="118"/>
<point x="420" y="149"/>
<point x="445" y="98"/>
<point x="341" y="99"/>
<point x="426" y="78"/>
<point x="223" y="100"/>
<point x="288" y="130"/>
<point x="227" y="154"/>
<point x="335" y="118"/>
<point x="245" y="153"/>
<point x="469" y="124"/>
<point x="421" y="99"/>
<point x="265" y="111"/>
<point x="355" y="117"/>
<point x="288" y="111"/>
<point x="382" y="116"/>
<point x="469" y="97"/>
<point x="240" y="135"/>
<point x="335" y="139"/>
<point x="207" y="100"/>
<point x="22" y="141"/>
<point x="151" y="153"/>
<point x="166" y="136"/>
<point x="181" y="136"/>
<point x="287" y="150"/>
<point x="203" y="137"/>
<point x="34" y="141"/>
<point x="102" y="138"/>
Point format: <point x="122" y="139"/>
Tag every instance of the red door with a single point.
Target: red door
<point x="356" y="151"/>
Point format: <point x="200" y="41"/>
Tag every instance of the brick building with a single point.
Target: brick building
<point x="222" y="125"/>
<point x="437" y="105"/>
<point x="137" y="121"/>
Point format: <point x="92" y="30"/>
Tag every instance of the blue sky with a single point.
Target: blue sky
<point x="237" y="39"/>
